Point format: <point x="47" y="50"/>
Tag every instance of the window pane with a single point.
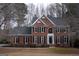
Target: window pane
<point x="44" y="29"/>
<point x="50" y="30"/>
<point x="17" y="39"/>
<point x="33" y="29"/>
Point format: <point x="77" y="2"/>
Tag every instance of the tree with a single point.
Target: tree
<point x="15" y="10"/>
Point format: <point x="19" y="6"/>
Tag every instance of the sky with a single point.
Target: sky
<point x="37" y="2"/>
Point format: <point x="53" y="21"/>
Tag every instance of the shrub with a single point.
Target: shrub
<point x="3" y="41"/>
<point x="76" y="43"/>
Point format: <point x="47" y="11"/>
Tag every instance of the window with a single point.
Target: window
<point x="33" y="29"/>
<point x="39" y="39"/>
<point x="62" y="29"/>
<point x="39" y="29"/>
<point x="62" y="39"/>
<point x="58" y="39"/>
<point x="35" y="39"/>
<point x="36" y="29"/>
<point x="57" y="29"/>
<point x="26" y="40"/>
<point x="50" y="30"/>
<point x="55" y="39"/>
<point x="42" y="29"/>
<point x="67" y="29"/>
<point x="42" y="39"/>
<point x="45" y="39"/>
<point x="16" y="40"/>
<point x="66" y="39"/>
<point x="43" y="17"/>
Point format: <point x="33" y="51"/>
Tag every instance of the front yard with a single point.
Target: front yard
<point x="12" y="51"/>
<point x="64" y="50"/>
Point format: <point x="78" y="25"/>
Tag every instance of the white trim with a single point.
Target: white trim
<point x="42" y="39"/>
<point x="58" y="39"/>
<point x="26" y="39"/>
<point x="40" y="20"/>
<point x="15" y="40"/>
<point x="51" y="21"/>
<point x="43" y="22"/>
<point x="52" y="38"/>
<point x="35" y="21"/>
<point x="35" y="39"/>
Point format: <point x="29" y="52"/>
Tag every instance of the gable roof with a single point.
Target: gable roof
<point x="57" y="21"/>
<point x="46" y="20"/>
<point x="53" y="20"/>
<point x="34" y="19"/>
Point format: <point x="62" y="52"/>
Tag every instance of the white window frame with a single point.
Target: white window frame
<point x="42" y="29"/>
<point x="15" y="40"/>
<point x="35" y="39"/>
<point x="25" y="40"/>
<point x="58" y="39"/>
<point x="65" y="40"/>
<point x="42" y="39"/>
<point x="58" y="30"/>
<point x="32" y="39"/>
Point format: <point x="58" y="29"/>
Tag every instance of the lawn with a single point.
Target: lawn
<point x="12" y="51"/>
<point x="64" y="50"/>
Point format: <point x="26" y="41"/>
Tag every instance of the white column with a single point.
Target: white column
<point x="53" y="38"/>
<point x="47" y="39"/>
<point x="15" y="40"/>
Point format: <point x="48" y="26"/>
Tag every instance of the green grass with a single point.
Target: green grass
<point x="64" y="50"/>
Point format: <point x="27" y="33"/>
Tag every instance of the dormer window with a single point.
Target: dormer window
<point x="43" y="17"/>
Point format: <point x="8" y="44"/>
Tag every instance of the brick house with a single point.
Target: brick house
<point x="44" y="31"/>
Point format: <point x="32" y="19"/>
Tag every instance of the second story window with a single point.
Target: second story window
<point x="39" y="29"/>
<point x="50" y="30"/>
<point x="42" y="29"/>
<point x="67" y="29"/>
<point x="36" y="29"/>
<point x="57" y="29"/>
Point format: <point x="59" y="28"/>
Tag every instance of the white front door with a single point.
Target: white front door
<point x="50" y="39"/>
